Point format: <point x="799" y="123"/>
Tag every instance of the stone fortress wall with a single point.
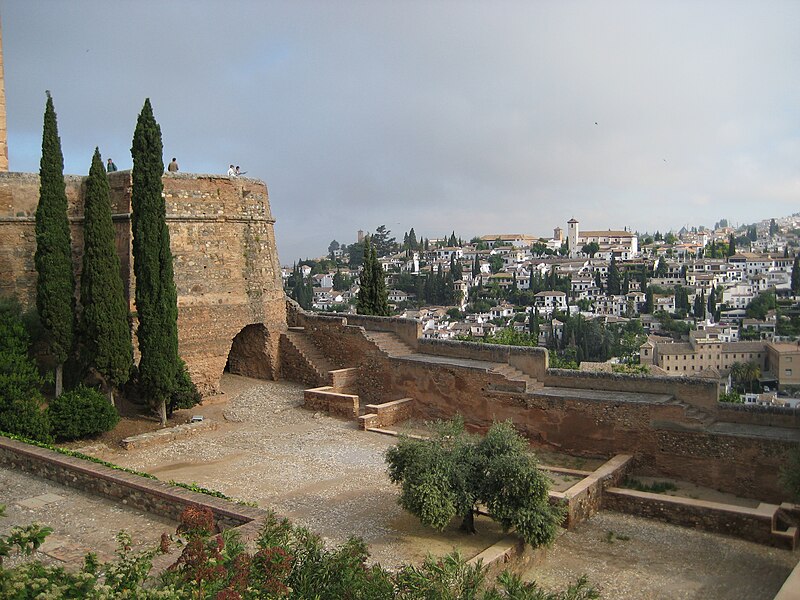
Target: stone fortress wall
<point x="673" y="426"/>
<point x="222" y="237"/>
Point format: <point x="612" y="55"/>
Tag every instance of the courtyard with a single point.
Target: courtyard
<point x="326" y="474"/>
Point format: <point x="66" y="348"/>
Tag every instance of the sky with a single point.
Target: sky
<point x="478" y="117"/>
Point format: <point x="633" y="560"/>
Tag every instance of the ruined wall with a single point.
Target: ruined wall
<point x="225" y="258"/>
<point x="697" y="392"/>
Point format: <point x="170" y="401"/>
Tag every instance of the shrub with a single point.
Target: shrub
<point x="184" y="393"/>
<point x="80" y="413"/>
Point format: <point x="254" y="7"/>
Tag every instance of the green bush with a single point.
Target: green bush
<point x="80" y="413"/>
<point x="20" y="398"/>
<point x="184" y="393"/>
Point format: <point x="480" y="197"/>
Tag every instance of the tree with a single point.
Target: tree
<point x="332" y="248"/>
<point x="613" y="282"/>
<point x="649" y="302"/>
<point x="773" y="228"/>
<point x="712" y="301"/>
<point x="105" y="332"/>
<point x="796" y="276"/>
<point x="495" y="263"/>
<point x="731" y="245"/>
<point x="699" y="307"/>
<point x="451" y="474"/>
<point x="372" y="296"/>
<point x="303" y="289"/>
<point x="382" y="243"/>
<point x="156" y="296"/>
<point x="55" y="284"/>
<point x="591" y="248"/>
<point x="342" y="282"/>
<point x="20" y="399"/>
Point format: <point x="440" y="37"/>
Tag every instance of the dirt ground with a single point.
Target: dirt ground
<point x="627" y="557"/>
<point x="81" y="522"/>
<point x="326" y="474"/>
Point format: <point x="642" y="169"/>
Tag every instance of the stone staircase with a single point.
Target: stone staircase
<point x="389" y="343"/>
<point x="697" y="415"/>
<point x="311" y="355"/>
<point x="514" y="374"/>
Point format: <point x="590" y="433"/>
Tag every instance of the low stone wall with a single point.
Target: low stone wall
<point x="387" y="414"/>
<point x="585" y="498"/>
<point x="162" y="436"/>
<point x="408" y="330"/>
<point x="509" y="554"/>
<point x="771" y="416"/>
<point x="138" y="492"/>
<point x="334" y="403"/>
<point x="753" y="524"/>
<point x="530" y="360"/>
<point x="344" y="380"/>
<point x="697" y="392"/>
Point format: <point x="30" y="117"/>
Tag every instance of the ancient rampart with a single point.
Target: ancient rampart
<point x="225" y="259"/>
<point x="668" y="424"/>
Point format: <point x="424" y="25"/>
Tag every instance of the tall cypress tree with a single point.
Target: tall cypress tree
<point x="380" y="298"/>
<point x="55" y="284"/>
<point x="105" y="332"/>
<point x="796" y="276"/>
<point x="613" y="282"/>
<point x="156" y="296"/>
<point x="365" y="282"/>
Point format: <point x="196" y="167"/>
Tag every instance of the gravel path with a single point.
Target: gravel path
<point x="658" y="561"/>
<point x="321" y="472"/>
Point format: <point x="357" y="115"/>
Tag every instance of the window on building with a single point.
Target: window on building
<point x="787" y="372"/>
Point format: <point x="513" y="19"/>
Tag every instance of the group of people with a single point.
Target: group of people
<point x="233" y="171"/>
<point x="172" y="168"/>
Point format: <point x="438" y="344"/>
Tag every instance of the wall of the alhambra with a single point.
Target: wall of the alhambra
<point x="733" y="464"/>
<point x="698" y="392"/>
<point x="226" y="265"/>
<point x="770" y="416"/>
<point x="746" y="466"/>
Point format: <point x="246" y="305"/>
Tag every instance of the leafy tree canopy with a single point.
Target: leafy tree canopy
<point x="450" y="474"/>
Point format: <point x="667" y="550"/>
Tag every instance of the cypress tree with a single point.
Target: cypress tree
<point x="105" y="332"/>
<point x="364" y="305"/>
<point x="796" y="276"/>
<point x="613" y="283"/>
<point x="380" y="297"/>
<point x="156" y="296"/>
<point x="55" y="284"/>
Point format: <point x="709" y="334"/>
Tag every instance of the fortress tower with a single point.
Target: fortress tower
<point x="3" y="131"/>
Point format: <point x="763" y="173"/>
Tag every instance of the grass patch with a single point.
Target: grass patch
<point x="612" y="536"/>
<point x="657" y="487"/>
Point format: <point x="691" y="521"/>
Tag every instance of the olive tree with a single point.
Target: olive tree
<point x="452" y="473"/>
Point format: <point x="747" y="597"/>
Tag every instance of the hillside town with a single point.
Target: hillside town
<point x="721" y="303"/>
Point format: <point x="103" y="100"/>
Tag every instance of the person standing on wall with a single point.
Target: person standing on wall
<point x="231" y="171"/>
<point x="111" y="167"/>
<point x="173" y="166"/>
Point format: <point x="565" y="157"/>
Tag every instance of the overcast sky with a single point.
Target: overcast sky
<point x="483" y="117"/>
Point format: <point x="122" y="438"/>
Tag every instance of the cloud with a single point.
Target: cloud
<point x="434" y="115"/>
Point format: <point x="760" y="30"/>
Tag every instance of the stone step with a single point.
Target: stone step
<point x="311" y="355"/>
<point x="389" y="343"/>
